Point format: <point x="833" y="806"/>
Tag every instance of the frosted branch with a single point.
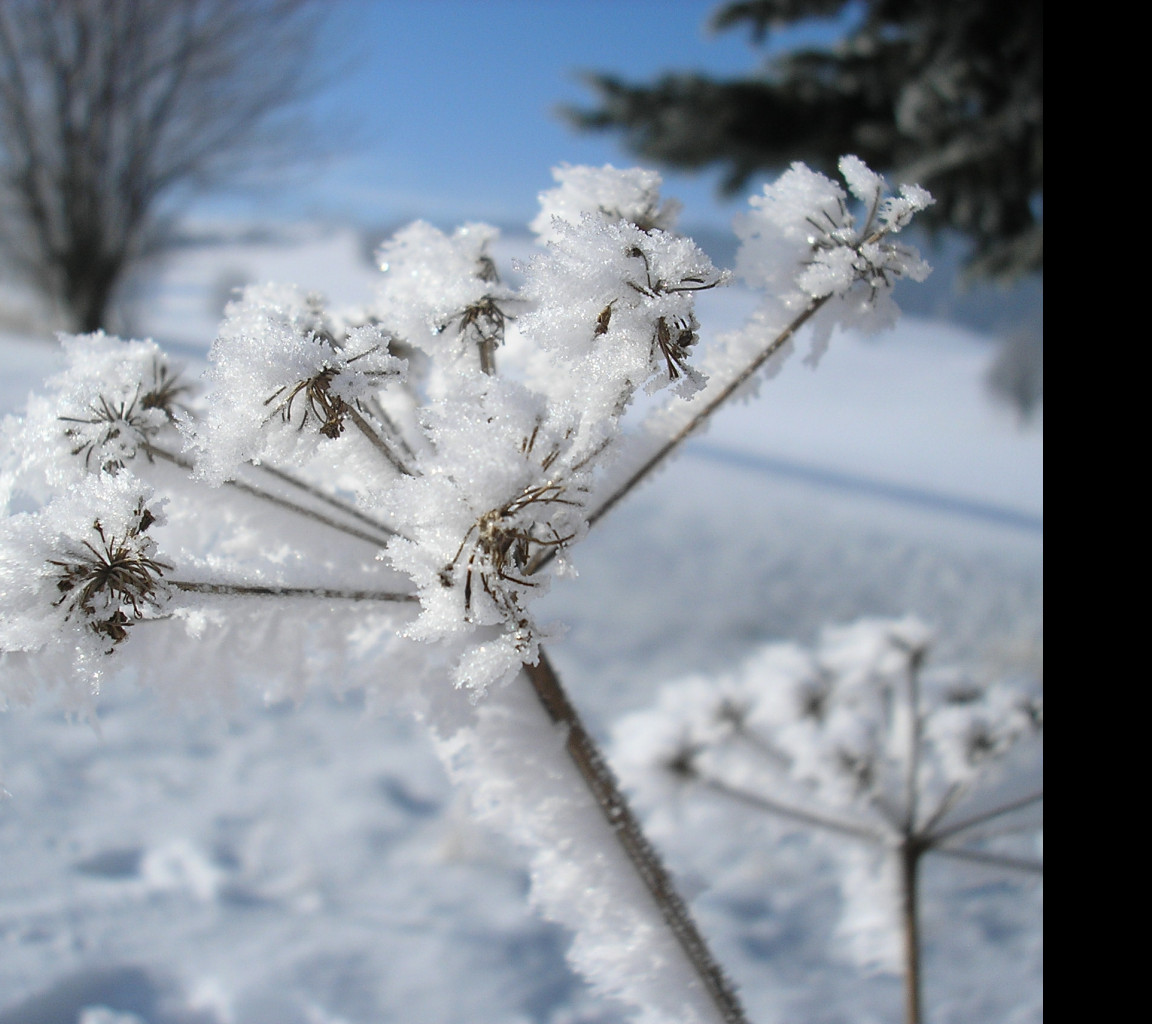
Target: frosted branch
<point x="614" y="806"/>
<point x="378" y="540"/>
<point x="271" y="590"/>
<point x="979" y="819"/>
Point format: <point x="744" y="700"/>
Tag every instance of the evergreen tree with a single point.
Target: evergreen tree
<point x="946" y="94"/>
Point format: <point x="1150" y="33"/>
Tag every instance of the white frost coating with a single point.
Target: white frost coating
<point x="279" y="383"/>
<point x="604" y="193"/>
<point x="512" y="764"/>
<point x="803" y="219"/>
<point x="440" y="291"/>
<point x="56" y="587"/>
<point x="614" y="306"/>
<point x="807" y="251"/>
<point x="113" y="399"/>
<point x="499" y="496"/>
<point x="837" y="733"/>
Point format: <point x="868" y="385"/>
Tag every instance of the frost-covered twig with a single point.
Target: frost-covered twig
<point x="611" y="800"/>
<point x="270" y="590"/>
<point x="315" y="492"/>
<point x="698" y="419"/>
<point x="379" y="539"/>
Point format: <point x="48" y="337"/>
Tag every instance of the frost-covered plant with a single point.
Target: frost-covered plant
<point x="445" y="495"/>
<point x="861" y="739"/>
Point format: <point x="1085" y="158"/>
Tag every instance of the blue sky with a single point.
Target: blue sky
<point x="445" y="109"/>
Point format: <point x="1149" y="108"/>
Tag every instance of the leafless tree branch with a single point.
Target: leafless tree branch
<point x="110" y="108"/>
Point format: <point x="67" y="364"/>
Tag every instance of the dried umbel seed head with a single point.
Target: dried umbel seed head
<point x="164" y="390"/>
<point x="110" y="581"/>
<point x="113" y="430"/>
<point x="682" y="762"/>
<point x="503" y="543"/>
<point x="674" y="338"/>
<point x="318" y="402"/>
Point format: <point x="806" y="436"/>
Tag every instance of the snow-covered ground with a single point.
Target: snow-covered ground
<point x="265" y="863"/>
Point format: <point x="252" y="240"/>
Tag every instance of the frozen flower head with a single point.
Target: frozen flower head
<point x="114" y="399"/>
<point x="603" y="193"/>
<point x="859" y="739"/>
<point x="281" y="382"/>
<point x="852" y="719"/>
<point x="442" y="292"/>
<point x="614" y="306"/>
<point x="86" y="562"/>
<point x="805" y="220"/>
<point x="504" y="493"/>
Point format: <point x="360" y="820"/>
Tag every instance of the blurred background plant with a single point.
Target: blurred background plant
<point x="893" y="759"/>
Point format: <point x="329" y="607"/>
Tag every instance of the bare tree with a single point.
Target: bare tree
<point x="111" y="109"/>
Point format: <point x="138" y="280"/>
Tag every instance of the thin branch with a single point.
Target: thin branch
<point x="672" y="443"/>
<point x="695" y="422"/>
<point x="324" y="496"/>
<point x="999" y="860"/>
<point x="1008" y="826"/>
<point x="915" y="738"/>
<point x="606" y="790"/>
<point x="264" y="590"/>
<point x="984" y="816"/>
<point x="952" y="797"/>
<point x="759" y="744"/>
<point x="376" y="409"/>
<point x="291" y="506"/>
<point x="889" y="813"/>
<point x="815" y="818"/>
<point x="378" y="442"/>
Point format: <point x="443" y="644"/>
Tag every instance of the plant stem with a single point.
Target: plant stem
<point x="996" y="860"/>
<point x="986" y="816"/>
<point x="264" y="590"/>
<point x="378" y="442"/>
<point x="487" y="347"/>
<point x="915" y="740"/>
<point x="694" y="423"/>
<point x="602" y="784"/>
<point x="542" y="558"/>
<point x="909" y="853"/>
<point x="817" y="819"/>
<point x="327" y="499"/>
<point x="284" y="503"/>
